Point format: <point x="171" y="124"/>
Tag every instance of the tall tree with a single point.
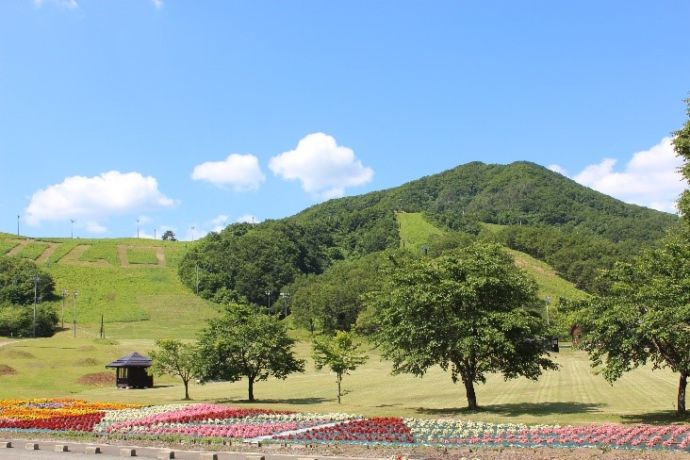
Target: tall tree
<point x="244" y="342"/>
<point x="645" y="316"/>
<point x="340" y="353"/>
<point x="681" y="144"/>
<point x="172" y="357"/>
<point x="471" y="310"/>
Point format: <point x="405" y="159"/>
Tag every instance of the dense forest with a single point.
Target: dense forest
<point x="575" y="229"/>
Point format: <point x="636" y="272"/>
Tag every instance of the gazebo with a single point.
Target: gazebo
<point x="130" y="371"/>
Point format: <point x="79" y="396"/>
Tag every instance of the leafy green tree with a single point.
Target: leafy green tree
<point x="681" y="144"/>
<point x="340" y="353"/>
<point x="243" y="342"/>
<point x="17" y="281"/>
<point x="172" y="357"/>
<point x="169" y="235"/>
<point x="645" y="316"/>
<point x="472" y="311"/>
<point x="18" y="320"/>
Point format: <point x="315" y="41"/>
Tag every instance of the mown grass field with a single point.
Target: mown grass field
<point x="53" y="367"/>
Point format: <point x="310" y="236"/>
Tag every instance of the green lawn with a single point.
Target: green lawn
<point x="52" y="368"/>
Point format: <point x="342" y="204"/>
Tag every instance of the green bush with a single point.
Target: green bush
<point x="17" y="320"/>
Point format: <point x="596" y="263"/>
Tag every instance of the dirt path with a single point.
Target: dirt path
<point x="43" y="258"/>
<point x="18" y="248"/>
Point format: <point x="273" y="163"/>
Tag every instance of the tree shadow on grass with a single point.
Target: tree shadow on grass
<point x="665" y="417"/>
<point x="272" y="401"/>
<point x="516" y="409"/>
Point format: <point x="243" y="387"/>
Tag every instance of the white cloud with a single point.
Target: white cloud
<point x="69" y="4"/>
<point x="219" y="222"/>
<point x="157" y="3"/>
<point x="95" y="227"/>
<point x="558" y="168"/>
<point x="247" y="219"/>
<point x="241" y="172"/>
<point x="650" y="178"/>
<point x="324" y="168"/>
<point x="92" y="199"/>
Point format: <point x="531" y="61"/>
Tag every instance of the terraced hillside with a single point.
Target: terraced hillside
<point x="132" y="283"/>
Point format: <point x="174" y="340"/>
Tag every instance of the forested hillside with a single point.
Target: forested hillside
<point x="540" y="212"/>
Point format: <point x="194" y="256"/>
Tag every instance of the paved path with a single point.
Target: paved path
<point x="23" y="450"/>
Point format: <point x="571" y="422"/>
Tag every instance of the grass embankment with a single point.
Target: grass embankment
<point x="415" y="232"/>
<point x="133" y="283"/>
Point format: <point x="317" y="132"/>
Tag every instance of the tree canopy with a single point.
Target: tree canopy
<point x="244" y="342"/>
<point x="340" y="353"/>
<point x="471" y="311"/>
<point x="172" y="357"/>
<point x="17" y="281"/>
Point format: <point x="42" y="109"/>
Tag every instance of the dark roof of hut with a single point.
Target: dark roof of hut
<point x="133" y="359"/>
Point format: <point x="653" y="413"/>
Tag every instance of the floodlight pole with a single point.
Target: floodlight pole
<point x="36" y="279"/>
<point x="74" y="315"/>
<point x="65" y="292"/>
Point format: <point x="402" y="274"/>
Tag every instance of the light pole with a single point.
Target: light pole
<point x="71" y="234"/>
<point x="36" y="279"/>
<point x="137" y="228"/>
<point x="268" y="299"/>
<point x="17" y="225"/>
<point x="285" y="296"/>
<point x="196" y="267"/>
<point x="74" y="315"/>
<point x="65" y="293"/>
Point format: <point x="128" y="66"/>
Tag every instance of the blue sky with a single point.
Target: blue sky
<point x="190" y="115"/>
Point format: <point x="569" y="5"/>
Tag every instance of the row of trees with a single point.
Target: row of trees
<point x="246" y="343"/>
<point x="471" y="311"/>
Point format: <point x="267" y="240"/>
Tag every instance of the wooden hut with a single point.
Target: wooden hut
<point x="130" y="371"/>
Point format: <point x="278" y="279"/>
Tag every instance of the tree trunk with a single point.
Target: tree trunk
<point x="186" y="389"/>
<point x="681" y="393"/>
<point x="251" y="389"/>
<point x="471" y="396"/>
<point x="339" y="379"/>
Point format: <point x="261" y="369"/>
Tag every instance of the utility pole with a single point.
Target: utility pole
<point x="17" y="225"/>
<point x="36" y="279"/>
<point x="197" y="277"/>
<point x="71" y="221"/>
<point x="65" y="292"/>
<point x="137" y="228"/>
<point x="74" y="315"/>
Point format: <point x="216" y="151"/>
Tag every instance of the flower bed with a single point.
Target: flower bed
<point x="219" y="421"/>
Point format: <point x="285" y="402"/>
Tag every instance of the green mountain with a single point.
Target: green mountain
<point x="519" y="204"/>
<point x="520" y="193"/>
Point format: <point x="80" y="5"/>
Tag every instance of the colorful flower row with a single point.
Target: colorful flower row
<point x="214" y="420"/>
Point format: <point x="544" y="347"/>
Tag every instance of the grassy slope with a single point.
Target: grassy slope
<point x="415" y="232"/>
<point x="137" y="298"/>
